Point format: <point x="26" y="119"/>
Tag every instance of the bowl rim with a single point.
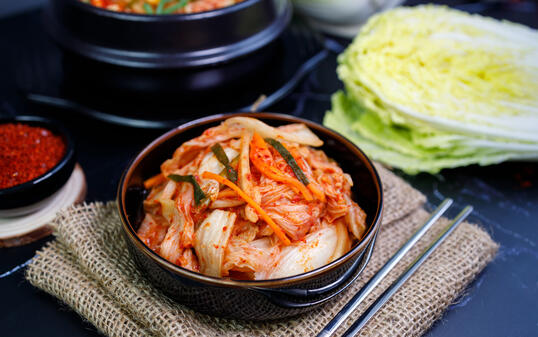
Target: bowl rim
<point x="271" y="283"/>
<point x="164" y="17"/>
<point x="52" y="126"/>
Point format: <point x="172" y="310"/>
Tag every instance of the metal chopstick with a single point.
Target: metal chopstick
<point x="350" y="306"/>
<point x="370" y="312"/>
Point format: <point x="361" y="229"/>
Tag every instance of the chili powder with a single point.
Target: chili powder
<point x="27" y="152"/>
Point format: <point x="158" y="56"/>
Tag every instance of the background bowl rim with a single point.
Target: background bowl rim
<point x="55" y="128"/>
<point x="270" y="283"/>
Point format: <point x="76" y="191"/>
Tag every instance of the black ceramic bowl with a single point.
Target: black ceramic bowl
<point x="263" y="299"/>
<point x="20" y="199"/>
<point x="166" y="41"/>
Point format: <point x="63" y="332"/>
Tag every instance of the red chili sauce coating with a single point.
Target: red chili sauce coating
<point x="27" y="152"/>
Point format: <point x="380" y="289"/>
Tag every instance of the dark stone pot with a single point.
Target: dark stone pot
<point x="125" y="56"/>
<point x="166" y="41"/>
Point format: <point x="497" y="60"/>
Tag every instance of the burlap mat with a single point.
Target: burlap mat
<point x="88" y="267"/>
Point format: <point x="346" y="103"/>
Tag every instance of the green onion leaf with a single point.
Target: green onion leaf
<point x="198" y="193"/>
<point x="223" y="159"/>
<point x="289" y="159"/>
<point x="175" y="7"/>
<point x="148" y="8"/>
<point x="160" y="7"/>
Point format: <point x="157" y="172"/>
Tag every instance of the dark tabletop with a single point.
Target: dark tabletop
<point x="501" y="301"/>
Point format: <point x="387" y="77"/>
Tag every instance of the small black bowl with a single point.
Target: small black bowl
<point x="262" y="299"/>
<point x="19" y="199"/>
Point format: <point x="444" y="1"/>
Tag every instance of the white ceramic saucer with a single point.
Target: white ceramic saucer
<point x="16" y="229"/>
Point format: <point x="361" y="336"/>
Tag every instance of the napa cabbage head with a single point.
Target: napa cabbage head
<point x="428" y="88"/>
<point x="430" y="65"/>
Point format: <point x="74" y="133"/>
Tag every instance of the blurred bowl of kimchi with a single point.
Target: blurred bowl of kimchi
<point x="257" y="299"/>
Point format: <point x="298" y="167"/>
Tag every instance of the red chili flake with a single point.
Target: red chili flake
<point x="526" y="184"/>
<point x="525" y="176"/>
<point x="27" y="152"/>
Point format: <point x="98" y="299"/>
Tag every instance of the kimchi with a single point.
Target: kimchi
<point x="160" y="7"/>
<point x="246" y="200"/>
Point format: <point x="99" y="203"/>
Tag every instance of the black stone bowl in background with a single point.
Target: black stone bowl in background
<point x="263" y="299"/>
<point x="166" y="41"/>
<point x="20" y="199"/>
<point x="107" y="51"/>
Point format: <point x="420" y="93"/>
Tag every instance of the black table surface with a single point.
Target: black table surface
<point x="501" y="301"/>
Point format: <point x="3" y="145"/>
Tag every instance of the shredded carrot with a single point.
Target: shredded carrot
<point x="278" y="231"/>
<point x="276" y="175"/>
<point x="316" y="191"/>
<point x="154" y="181"/>
<point x="312" y="186"/>
<point x="258" y="147"/>
<point x="227" y="193"/>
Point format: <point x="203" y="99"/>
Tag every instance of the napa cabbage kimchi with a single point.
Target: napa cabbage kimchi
<point x="246" y="200"/>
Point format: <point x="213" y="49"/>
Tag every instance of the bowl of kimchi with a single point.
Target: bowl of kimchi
<point x="251" y="215"/>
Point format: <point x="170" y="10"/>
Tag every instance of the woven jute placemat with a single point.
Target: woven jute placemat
<point x="89" y="268"/>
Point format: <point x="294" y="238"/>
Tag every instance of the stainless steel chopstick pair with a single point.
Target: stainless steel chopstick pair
<point x="335" y="323"/>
